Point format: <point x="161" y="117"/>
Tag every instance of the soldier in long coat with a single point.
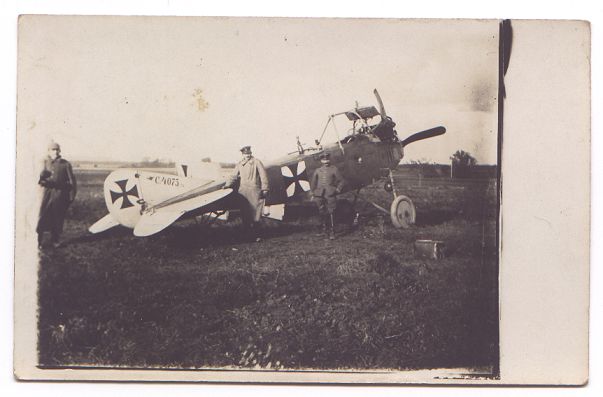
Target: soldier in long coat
<point x="60" y="189"/>
<point x="252" y="187"/>
<point x="326" y="184"/>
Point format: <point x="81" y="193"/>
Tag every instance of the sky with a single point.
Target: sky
<point x="186" y="88"/>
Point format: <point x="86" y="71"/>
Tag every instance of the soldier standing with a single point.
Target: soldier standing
<point x="326" y="184"/>
<point x="60" y="188"/>
<point x="253" y="187"/>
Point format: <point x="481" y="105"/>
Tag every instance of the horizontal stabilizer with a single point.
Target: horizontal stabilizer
<point x="164" y="214"/>
<point x="154" y="222"/>
<point x="105" y="223"/>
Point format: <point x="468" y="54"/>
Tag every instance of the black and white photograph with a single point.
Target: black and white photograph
<point x="264" y="196"/>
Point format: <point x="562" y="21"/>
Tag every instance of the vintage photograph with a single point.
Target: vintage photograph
<point x="263" y="194"/>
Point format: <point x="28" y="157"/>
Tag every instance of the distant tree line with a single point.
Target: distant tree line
<point x="461" y="158"/>
<point x="462" y="165"/>
<point x="157" y="163"/>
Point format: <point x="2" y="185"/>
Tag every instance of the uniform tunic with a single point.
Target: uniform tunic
<point x="59" y="192"/>
<point x="326" y="183"/>
<point x="252" y="178"/>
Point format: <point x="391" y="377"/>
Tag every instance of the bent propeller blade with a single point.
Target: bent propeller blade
<point x="381" y="107"/>
<point x="430" y="133"/>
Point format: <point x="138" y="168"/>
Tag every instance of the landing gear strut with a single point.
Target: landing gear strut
<point x="402" y="211"/>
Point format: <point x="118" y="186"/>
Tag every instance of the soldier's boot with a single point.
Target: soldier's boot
<point x="246" y="232"/>
<point x="322" y="231"/>
<point x="331" y="228"/>
<point x="256" y="232"/>
<point x="252" y="232"/>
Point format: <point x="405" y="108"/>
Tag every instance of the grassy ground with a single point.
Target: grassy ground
<point x="204" y="297"/>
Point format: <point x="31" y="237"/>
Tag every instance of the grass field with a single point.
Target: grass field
<point x="196" y="296"/>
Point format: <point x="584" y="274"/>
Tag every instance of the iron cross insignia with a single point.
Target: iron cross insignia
<point x="125" y="203"/>
<point x="296" y="178"/>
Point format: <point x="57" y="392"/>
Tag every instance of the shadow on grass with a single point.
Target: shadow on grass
<point x="298" y="219"/>
<point x="116" y="232"/>
<point x="202" y="236"/>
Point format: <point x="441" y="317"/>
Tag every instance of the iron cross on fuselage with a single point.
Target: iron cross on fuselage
<point x="126" y="203"/>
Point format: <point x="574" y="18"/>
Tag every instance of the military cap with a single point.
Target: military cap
<point x="246" y="150"/>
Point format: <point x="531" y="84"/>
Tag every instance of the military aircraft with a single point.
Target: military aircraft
<point x="148" y="202"/>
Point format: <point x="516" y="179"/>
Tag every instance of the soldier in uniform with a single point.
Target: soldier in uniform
<point x="59" y="192"/>
<point x="326" y="184"/>
<point x="253" y="189"/>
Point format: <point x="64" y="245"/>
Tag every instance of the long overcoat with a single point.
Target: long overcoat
<point x="252" y="179"/>
<point x="59" y="192"/>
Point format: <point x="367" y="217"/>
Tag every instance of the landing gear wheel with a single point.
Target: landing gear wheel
<point x="403" y="212"/>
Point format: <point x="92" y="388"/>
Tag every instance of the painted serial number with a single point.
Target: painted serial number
<point x="169" y="181"/>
